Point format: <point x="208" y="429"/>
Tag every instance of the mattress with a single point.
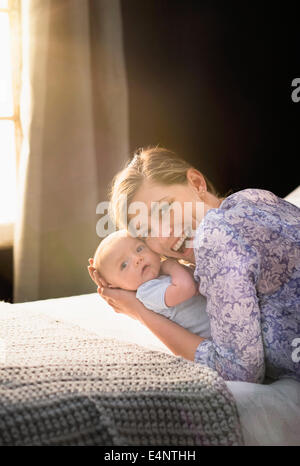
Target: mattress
<point x="269" y="414"/>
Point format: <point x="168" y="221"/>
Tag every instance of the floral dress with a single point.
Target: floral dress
<point x="247" y="255"/>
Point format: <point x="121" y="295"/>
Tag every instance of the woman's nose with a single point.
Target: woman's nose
<point x="163" y="230"/>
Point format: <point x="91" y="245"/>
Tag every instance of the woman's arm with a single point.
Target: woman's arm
<point x="179" y="340"/>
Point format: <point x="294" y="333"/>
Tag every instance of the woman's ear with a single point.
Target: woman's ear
<point x="196" y="180"/>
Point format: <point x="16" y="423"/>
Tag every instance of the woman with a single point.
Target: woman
<point x="246" y="250"/>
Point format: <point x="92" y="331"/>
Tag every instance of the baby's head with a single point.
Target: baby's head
<point x="125" y="262"/>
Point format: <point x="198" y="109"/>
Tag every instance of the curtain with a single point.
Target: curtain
<point x="74" y="119"/>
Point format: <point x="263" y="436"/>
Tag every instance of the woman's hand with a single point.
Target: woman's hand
<point x="95" y="276"/>
<point x="122" y="301"/>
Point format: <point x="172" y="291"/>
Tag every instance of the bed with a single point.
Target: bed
<point x="269" y="414"/>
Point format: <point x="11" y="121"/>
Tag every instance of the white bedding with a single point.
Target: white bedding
<point x="269" y="414"/>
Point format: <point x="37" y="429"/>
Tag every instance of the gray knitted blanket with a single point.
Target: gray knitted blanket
<point x="62" y="385"/>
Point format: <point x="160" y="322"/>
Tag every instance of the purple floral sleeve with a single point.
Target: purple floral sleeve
<point x="232" y="305"/>
<point x="248" y="266"/>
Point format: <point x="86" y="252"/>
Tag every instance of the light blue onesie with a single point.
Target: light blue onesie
<point x="191" y="314"/>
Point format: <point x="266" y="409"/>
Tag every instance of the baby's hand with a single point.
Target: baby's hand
<point x="189" y="269"/>
<point x="183" y="285"/>
<point x="169" y="266"/>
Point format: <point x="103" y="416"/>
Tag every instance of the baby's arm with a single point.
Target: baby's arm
<point x="183" y="285"/>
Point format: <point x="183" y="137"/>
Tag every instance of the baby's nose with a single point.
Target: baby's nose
<point x="138" y="258"/>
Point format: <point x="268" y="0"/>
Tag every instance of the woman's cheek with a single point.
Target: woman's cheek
<point x="154" y="245"/>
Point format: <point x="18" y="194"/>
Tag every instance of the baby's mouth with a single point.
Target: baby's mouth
<point x="144" y="268"/>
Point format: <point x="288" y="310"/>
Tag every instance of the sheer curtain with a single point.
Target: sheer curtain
<point x="74" y="114"/>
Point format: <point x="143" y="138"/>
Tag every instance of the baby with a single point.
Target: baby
<point x="165" y="287"/>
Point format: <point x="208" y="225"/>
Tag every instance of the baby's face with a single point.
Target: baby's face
<point x="129" y="263"/>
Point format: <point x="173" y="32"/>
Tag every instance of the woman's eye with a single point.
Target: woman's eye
<point x="123" y="265"/>
<point x="165" y="208"/>
<point x="144" y="232"/>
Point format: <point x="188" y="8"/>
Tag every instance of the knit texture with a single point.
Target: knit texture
<point x="62" y="385"/>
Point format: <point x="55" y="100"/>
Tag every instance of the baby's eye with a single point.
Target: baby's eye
<point x="139" y="248"/>
<point x="123" y="265"/>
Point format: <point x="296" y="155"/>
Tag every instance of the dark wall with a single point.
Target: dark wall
<point x="212" y="80"/>
<point x="6" y="274"/>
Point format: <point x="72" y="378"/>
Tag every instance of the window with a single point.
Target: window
<point x="10" y="128"/>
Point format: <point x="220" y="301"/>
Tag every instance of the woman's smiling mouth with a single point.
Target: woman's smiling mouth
<point x="180" y="244"/>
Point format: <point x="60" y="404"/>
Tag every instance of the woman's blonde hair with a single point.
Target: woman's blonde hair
<point x="156" y="164"/>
